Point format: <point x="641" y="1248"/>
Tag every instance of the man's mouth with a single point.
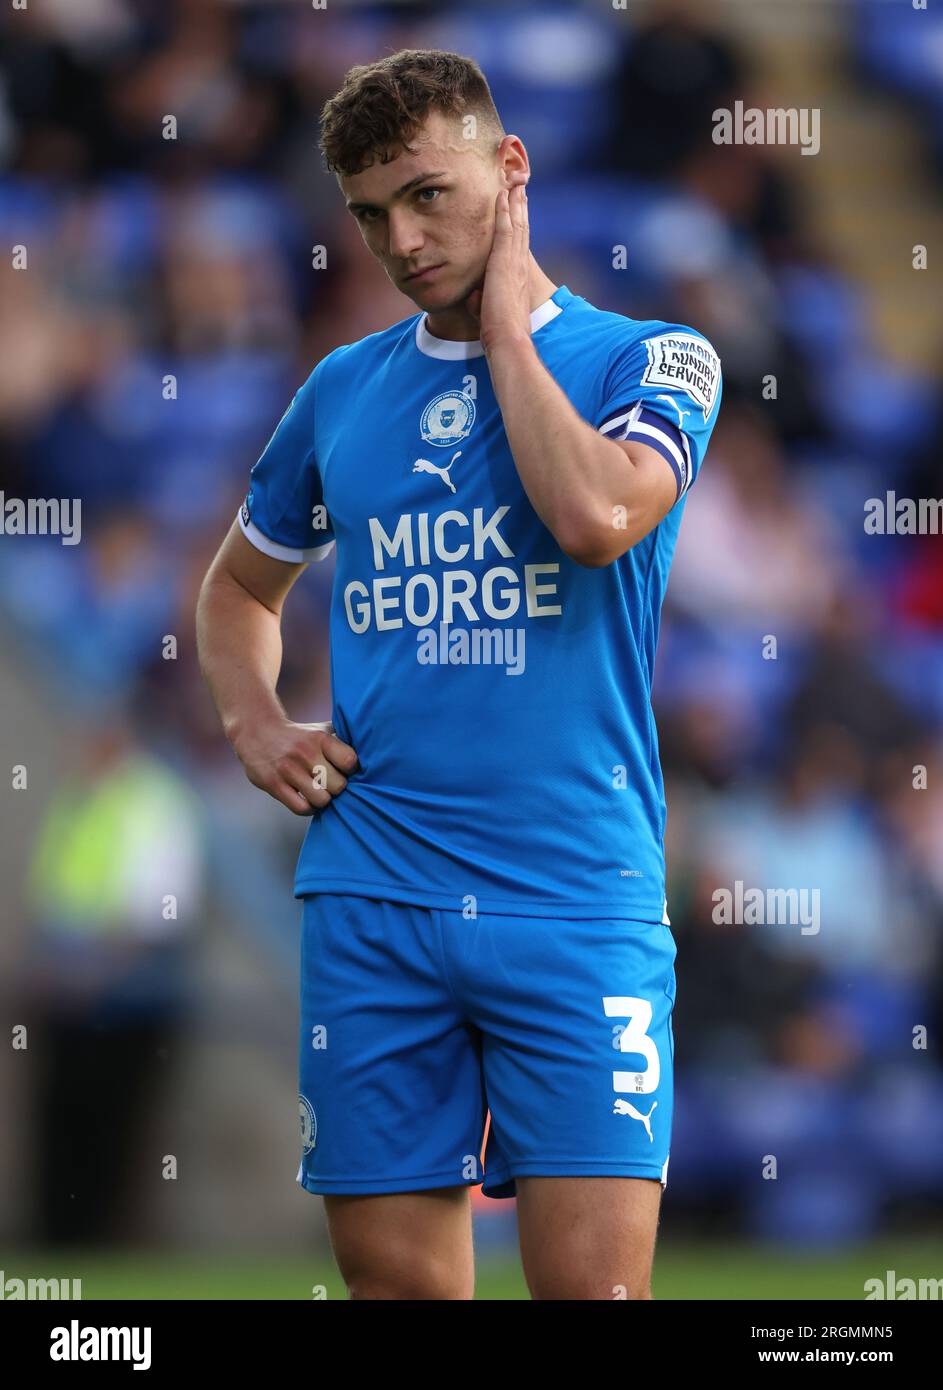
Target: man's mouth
<point x="419" y="275"/>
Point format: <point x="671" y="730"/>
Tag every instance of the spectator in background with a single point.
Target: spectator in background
<point x="757" y="553"/>
<point x="672" y="76"/>
<point x="114" y="893"/>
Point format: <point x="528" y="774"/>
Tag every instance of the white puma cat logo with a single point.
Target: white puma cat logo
<point x="424" y="466"/>
<point x="671" y="401"/>
<point x="622" y="1107"/>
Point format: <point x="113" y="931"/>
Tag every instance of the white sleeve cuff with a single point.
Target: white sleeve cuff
<point x="281" y="552"/>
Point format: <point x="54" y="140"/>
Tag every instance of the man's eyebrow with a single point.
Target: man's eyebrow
<point x="420" y="178"/>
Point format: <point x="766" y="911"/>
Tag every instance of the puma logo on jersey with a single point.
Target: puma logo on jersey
<point x="622" y="1107"/>
<point x="424" y="466"/>
<point x="681" y="413"/>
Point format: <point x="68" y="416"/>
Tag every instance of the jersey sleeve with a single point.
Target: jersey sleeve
<point x="664" y="390"/>
<point x="284" y="514"/>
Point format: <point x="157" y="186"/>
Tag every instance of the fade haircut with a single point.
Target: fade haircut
<point x="381" y="106"/>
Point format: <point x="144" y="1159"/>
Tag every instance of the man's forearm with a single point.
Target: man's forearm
<point x="239" y="643"/>
<point x="566" y="467"/>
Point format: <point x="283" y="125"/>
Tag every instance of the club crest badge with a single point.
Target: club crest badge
<point x="309" y="1125"/>
<point x="447" y="419"/>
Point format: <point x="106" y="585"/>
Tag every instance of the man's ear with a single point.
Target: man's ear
<point x="512" y="159"/>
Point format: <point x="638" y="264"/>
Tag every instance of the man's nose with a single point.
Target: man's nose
<point x="406" y="237"/>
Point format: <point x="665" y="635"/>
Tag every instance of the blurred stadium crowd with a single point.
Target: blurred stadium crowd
<point x="168" y="313"/>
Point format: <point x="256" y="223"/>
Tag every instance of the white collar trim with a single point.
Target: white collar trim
<point x="452" y="351"/>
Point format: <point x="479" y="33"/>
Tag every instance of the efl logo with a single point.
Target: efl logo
<point x="776" y="126"/>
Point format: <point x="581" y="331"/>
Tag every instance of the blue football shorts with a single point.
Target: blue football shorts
<point x="416" y="1022"/>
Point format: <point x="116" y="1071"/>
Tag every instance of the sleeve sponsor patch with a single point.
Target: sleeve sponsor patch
<point x="684" y="363"/>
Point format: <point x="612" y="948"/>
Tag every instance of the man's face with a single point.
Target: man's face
<point x="431" y="212"/>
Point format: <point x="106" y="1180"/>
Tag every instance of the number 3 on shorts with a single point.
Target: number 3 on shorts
<point x="634" y="1038"/>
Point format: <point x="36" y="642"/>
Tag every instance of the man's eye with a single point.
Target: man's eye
<point x="369" y="214"/>
<point x="434" y="191"/>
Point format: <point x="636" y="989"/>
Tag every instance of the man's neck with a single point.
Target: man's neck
<point x="458" y="325"/>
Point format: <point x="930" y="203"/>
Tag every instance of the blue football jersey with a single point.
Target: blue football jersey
<point x="497" y="693"/>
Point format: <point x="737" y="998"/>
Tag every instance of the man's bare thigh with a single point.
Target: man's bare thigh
<point x="588" y="1237"/>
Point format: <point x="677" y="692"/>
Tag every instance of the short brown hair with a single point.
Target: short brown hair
<point x="382" y="105"/>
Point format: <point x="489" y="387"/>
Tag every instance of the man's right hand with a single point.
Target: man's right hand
<point x="304" y="766"/>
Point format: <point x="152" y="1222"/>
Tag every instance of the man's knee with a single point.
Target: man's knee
<point x="410" y="1245"/>
<point x="405" y="1273"/>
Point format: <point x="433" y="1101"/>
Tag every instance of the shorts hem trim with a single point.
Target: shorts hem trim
<point x="494" y="1177"/>
<point x="366" y="1186"/>
<point x="550" y="1168"/>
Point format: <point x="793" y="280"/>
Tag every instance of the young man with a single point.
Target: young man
<point x="484" y="922"/>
